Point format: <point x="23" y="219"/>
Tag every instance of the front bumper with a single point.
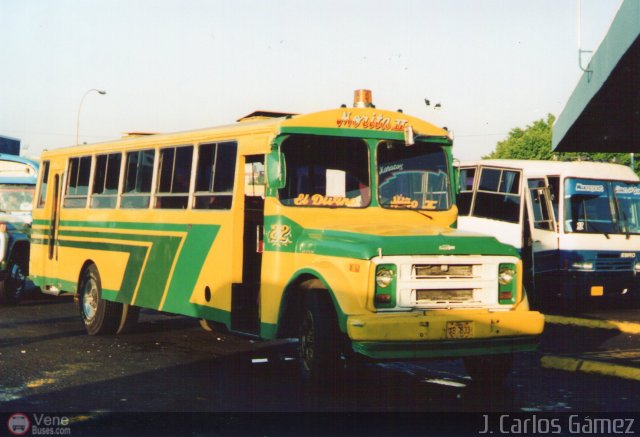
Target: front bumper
<point x="429" y="334"/>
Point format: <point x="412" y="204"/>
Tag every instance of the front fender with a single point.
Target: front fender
<point x="346" y="281"/>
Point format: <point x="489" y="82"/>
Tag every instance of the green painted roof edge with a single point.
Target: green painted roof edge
<point x="623" y="32"/>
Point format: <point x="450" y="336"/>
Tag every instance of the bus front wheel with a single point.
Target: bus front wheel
<point x="12" y="287"/>
<point x="99" y="316"/>
<point x="319" y="341"/>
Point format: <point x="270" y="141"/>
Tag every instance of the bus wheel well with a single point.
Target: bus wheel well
<point x="20" y="255"/>
<point x="293" y="302"/>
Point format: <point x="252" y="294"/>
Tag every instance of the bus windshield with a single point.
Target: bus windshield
<point x="413" y="177"/>
<point x="16" y="197"/>
<point x="601" y="207"/>
<point x="326" y="171"/>
<point x="627" y="197"/>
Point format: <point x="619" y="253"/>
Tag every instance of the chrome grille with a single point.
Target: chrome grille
<point x="445" y="295"/>
<point x="426" y="271"/>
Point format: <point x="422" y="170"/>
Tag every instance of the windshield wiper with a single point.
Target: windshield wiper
<point x="626" y="223"/>
<point x="422" y="213"/>
<point x="595" y="228"/>
<point x="406" y="208"/>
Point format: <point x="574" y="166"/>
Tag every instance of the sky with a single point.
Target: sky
<point x="175" y="65"/>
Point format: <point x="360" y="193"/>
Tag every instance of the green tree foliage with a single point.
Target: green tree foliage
<point x="534" y="142"/>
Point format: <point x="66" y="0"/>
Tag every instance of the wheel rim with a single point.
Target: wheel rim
<point x="307" y="341"/>
<point x="90" y="300"/>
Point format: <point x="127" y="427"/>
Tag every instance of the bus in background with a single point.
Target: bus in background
<point x="18" y="177"/>
<point x="334" y="228"/>
<point x="576" y="225"/>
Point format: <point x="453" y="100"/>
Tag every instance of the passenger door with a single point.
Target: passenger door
<point x="543" y="241"/>
<point x="46" y="214"/>
<point x="245" y="299"/>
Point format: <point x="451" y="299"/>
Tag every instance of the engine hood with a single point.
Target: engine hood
<point x="367" y="240"/>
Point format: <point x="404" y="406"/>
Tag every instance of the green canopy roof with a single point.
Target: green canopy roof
<point x="603" y="113"/>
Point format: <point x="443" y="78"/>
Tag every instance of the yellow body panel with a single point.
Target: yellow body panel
<point x="432" y="325"/>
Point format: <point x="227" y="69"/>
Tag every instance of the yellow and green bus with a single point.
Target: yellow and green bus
<point x="335" y="227"/>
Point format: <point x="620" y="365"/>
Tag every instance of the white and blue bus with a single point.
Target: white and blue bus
<point x="576" y="225"/>
<point x="18" y="177"/>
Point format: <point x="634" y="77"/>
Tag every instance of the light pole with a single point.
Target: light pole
<point x="103" y="92"/>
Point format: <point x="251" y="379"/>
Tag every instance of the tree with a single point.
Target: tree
<point x="534" y="142"/>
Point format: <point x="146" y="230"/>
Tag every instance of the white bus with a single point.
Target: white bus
<point x="576" y="224"/>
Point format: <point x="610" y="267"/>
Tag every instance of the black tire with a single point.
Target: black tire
<point x="320" y="344"/>
<point x="129" y="318"/>
<point x="489" y="369"/>
<point x="12" y="287"/>
<point x="99" y="316"/>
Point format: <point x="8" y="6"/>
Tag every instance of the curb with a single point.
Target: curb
<point x="589" y="366"/>
<point x="626" y="327"/>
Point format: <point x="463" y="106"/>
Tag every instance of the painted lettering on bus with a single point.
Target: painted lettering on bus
<point x="375" y="122"/>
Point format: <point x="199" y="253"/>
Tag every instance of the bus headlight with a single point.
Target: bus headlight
<point x="384" y="277"/>
<point x="385" y="293"/>
<point x="507" y="288"/>
<point x="506" y="274"/>
<point x="637" y="267"/>
<point x="582" y="265"/>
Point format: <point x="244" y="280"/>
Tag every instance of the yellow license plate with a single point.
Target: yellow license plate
<point x="459" y="329"/>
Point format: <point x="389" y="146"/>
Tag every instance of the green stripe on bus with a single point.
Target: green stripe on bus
<point x="160" y="257"/>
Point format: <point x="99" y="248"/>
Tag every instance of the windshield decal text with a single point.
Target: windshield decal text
<point x="320" y="200"/>
<point x="589" y="188"/>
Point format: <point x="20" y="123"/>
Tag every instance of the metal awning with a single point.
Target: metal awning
<point x="603" y="113"/>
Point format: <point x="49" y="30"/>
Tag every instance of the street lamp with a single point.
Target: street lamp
<point x="103" y="92"/>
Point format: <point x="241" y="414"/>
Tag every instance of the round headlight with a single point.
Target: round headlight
<point x="384" y="278"/>
<point x="506" y="275"/>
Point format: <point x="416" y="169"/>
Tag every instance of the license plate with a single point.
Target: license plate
<point x="459" y="329"/>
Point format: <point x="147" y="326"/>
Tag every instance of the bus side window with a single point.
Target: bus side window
<point x="44" y="182"/>
<point x="138" y="176"/>
<point x="174" y="174"/>
<point x="77" y="182"/>
<point x="215" y="173"/>
<point x="498" y="195"/>
<point x="105" y="181"/>
<point x="554" y="189"/>
<point x="467" y="177"/>
<point x="541" y="215"/>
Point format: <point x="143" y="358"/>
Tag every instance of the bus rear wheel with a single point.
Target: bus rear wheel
<point x="99" y="316"/>
<point x="489" y="369"/>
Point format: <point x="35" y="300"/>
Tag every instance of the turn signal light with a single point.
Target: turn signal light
<point x="383" y="298"/>
<point x="506" y="295"/>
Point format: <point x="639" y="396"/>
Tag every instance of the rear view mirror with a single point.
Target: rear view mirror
<point x="276" y="170"/>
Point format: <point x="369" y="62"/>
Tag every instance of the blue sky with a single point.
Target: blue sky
<point x="172" y="65"/>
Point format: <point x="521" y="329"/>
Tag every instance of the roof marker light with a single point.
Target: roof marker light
<point x="362" y="99"/>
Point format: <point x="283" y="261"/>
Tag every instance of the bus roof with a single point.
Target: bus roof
<point x="581" y="169"/>
<point x="17" y="170"/>
<point x="366" y="122"/>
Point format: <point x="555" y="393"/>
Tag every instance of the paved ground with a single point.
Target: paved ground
<point x="603" y="341"/>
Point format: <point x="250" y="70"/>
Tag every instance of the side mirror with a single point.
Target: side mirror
<point x="276" y="170"/>
<point x="409" y="136"/>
